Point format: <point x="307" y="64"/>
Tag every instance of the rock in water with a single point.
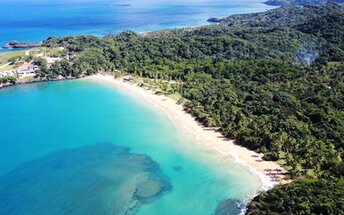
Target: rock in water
<point x="15" y="45"/>
<point x="228" y="207"/>
<point x="177" y="168"/>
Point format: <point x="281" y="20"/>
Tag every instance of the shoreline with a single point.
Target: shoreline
<point x="32" y="81"/>
<point x="270" y="173"/>
<point x="184" y="122"/>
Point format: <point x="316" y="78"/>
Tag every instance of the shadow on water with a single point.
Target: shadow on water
<point x="97" y="179"/>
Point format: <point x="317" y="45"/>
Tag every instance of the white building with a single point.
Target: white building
<point x="29" y="71"/>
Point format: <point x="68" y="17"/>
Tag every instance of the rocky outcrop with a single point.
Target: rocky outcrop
<point x="14" y="45"/>
<point x="214" y="20"/>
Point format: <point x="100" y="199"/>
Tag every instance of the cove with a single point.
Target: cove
<point x="84" y="146"/>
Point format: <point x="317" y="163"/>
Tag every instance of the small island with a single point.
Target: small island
<point x="17" y="45"/>
<point x="121" y="5"/>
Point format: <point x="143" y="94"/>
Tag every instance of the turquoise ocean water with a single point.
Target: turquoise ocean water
<point x="83" y="147"/>
<point x="35" y="20"/>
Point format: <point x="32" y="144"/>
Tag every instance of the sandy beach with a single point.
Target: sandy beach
<point x="270" y="173"/>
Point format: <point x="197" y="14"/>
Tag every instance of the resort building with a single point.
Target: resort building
<point x="28" y="71"/>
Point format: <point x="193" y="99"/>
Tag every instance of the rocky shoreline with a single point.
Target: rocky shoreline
<point x="36" y="80"/>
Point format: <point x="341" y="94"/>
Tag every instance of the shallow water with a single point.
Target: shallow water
<point x="35" y="20"/>
<point x="59" y="144"/>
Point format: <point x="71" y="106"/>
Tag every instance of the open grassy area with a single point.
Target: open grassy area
<point x="22" y="56"/>
<point x="4" y="57"/>
<point x="7" y="55"/>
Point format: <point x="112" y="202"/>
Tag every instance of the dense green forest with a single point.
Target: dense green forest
<point x="274" y="81"/>
<point x="303" y="197"/>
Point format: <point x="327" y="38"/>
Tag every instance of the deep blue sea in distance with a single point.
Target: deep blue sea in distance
<point x="84" y="147"/>
<point x="36" y="20"/>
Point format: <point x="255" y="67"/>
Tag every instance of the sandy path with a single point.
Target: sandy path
<point x="4" y="65"/>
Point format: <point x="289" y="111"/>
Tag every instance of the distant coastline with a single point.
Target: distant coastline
<point x="151" y="18"/>
<point x="299" y="2"/>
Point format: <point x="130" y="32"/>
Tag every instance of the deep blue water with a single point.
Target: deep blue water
<point x="35" y="20"/>
<point x="83" y="147"/>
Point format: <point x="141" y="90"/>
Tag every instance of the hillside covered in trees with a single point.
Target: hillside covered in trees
<point x="274" y="81"/>
<point x="300" y="2"/>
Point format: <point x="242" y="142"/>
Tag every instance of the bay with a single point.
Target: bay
<point x="82" y="147"/>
